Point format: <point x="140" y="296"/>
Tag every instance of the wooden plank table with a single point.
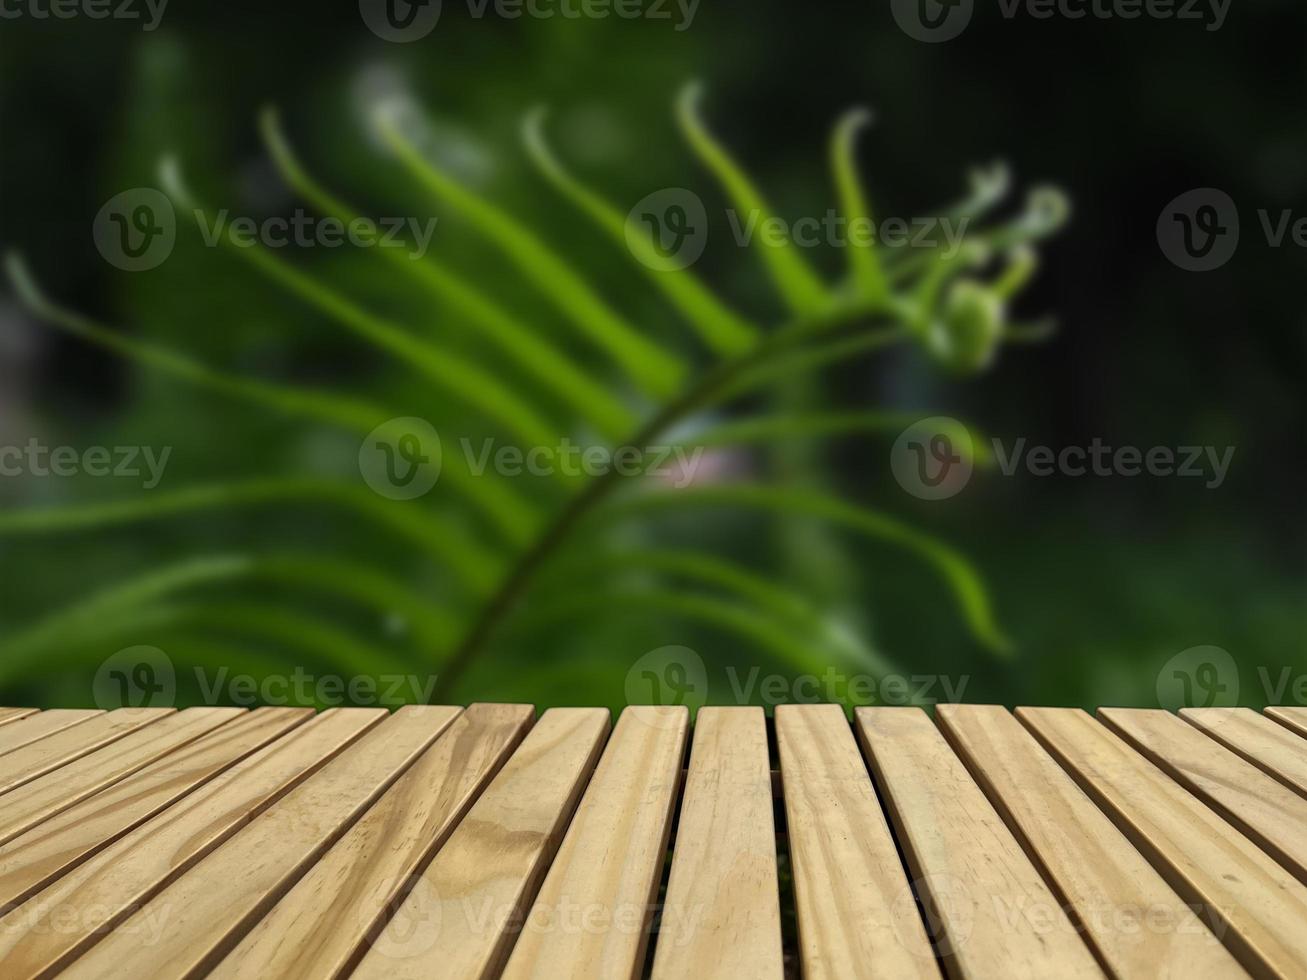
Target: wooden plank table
<point x="485" y="841"/>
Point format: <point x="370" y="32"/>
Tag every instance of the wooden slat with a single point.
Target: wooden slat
<point x="1138" y="925"/>
<point x="591" y="917"/>
<point x="1257" y="906"/>
<point x="1266" y="811"/>
<point x="49" y="753"/>
<point x="27" y="730"/>
<point x="1294" y="718"/>
<point x="211" y="907"/>
<point x="69" y="915"/>
<point x="319" y="927"/>
<point x="461" y="917"/>
<point x="856" y="913"/>
<point x="721" y="916"/>
<point x="34" y="859"/>
<point x="42" y="798"/>
<point x="993" y="911"/>
<point x="1269" y="746"/>
<point x="13" y="714"/>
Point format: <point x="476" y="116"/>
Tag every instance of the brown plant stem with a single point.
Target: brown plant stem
<point x="713" y="383"/>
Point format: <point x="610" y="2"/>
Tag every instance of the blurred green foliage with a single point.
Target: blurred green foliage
<point x="1097" y="582"/>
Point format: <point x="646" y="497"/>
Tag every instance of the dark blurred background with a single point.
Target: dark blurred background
<point x="1099" y="580"/>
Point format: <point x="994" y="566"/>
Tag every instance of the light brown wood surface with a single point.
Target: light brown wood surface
<point x="318" y="929"/>
<point x="1139" y="927"/>
<point x="14" y="714"/>
<point x="856" y="913"/>
<point x="591" y="916"/>
<point x="72" y="913"/>
<point x="1257" y="907"/>
<point x="1266" y="811"/>
<point x="209" y="909"/>
<point x="26" y="730"/>
<point x="1292" y="718"/>
<point x="461" y="918"/>
<point x="49" y="753"/>
<point x="995" y="914"/>
<point x="721" y="916"/>
<point x="35" y="858"/>
<point x="1262" y="741"/>
<point x="42" y="798"/>
<point x="357" y="844"/>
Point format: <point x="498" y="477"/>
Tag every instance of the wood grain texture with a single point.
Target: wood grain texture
<point x="208" y="909"/>
<point x="49" y="753"/>
<point x="26" y="730"/>
<point x="35" y="858"/>
<point x="14" y="714"/>
<point x="856" y="912"/>
<point x="462" y="916"/>
<point x="1267" y="812"/>
<point x="993" y="912"/>
<point x="1294" y="718"/>
<point x="1139" y="927"/>
<point x="1257" y="907"/>
<point x="319" y="928"/>
<point x="1269" y="746"/>
<point x="42" y="798"/>
<point x="723" y="882"/>
<point x="591" y="917"/>
<point x="69" y="915"/>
